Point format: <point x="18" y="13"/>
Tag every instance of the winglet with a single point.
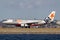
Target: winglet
<point x="52" y="15"/>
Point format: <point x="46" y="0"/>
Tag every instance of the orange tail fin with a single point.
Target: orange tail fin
<point x="52" y="15"/>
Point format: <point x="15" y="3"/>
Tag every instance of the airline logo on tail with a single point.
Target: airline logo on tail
<point x="52" y="15"/>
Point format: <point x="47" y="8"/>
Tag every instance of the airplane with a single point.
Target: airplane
<point x="29" y="23"/>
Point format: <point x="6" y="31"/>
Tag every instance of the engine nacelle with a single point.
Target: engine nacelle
<point x="24" y="25"/>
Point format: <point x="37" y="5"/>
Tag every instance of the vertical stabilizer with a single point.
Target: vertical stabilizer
<point x="52" y="15"/>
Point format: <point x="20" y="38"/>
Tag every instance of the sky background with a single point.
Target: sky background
<point x="29" y="9"/>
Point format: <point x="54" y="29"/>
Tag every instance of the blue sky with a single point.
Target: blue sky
<point x="28" y="9"/>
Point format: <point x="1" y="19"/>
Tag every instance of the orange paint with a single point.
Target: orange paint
<point x="19" y="21"/>
<point x="52" y="15"/>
